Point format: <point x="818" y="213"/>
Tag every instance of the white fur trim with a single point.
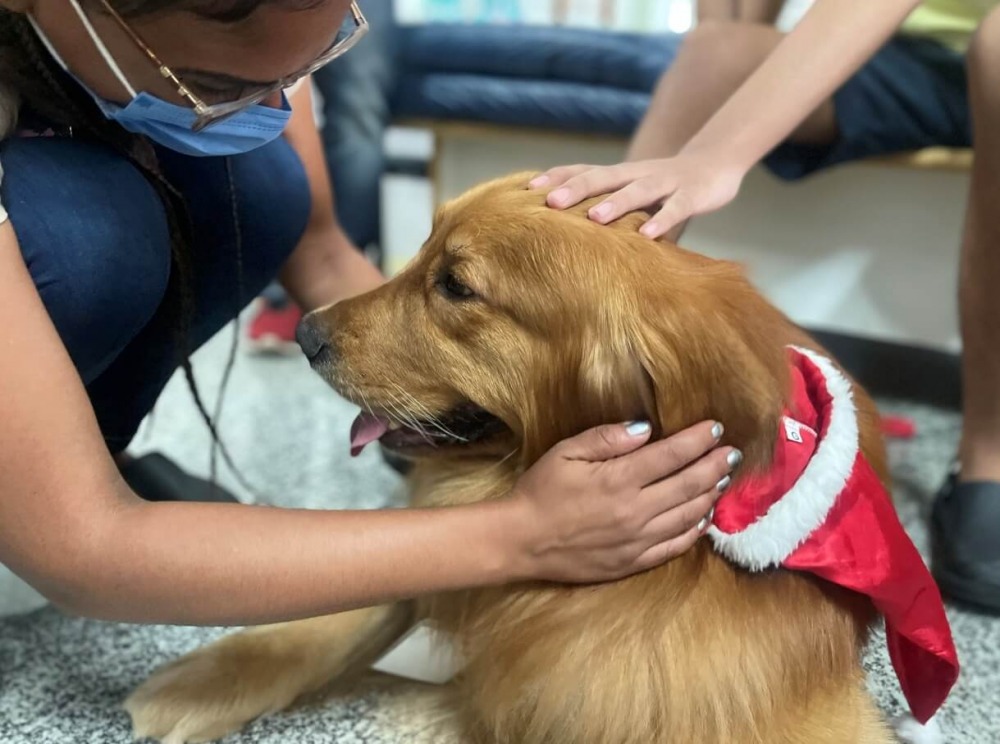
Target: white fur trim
<point x="797" y="514"/>
<point x="911" y="732"/>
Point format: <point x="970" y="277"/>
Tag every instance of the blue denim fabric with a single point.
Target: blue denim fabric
<point x="94" y="236"/>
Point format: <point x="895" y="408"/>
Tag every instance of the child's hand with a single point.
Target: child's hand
<point x="682" y="187"/>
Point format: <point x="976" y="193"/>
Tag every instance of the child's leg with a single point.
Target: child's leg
<point x="966" y="516"/>
<point x="980" y="267"/>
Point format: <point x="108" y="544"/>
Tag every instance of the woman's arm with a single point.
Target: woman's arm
<point x="325" y="267"/>
<point x="69" y="525"/>
<point x="830" y="43"/>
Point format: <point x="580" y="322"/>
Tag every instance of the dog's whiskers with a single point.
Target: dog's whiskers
<point x="430" y="418"/>
<point x="399" y="408"/>
<point x="366" y="405"/>
<point x="408" y="419"/>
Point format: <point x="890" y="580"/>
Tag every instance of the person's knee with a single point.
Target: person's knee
<point x="98" y="248"/>
<point x="110" y="295"/>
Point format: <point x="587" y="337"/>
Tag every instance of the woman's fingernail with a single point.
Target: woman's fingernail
<point x="723" y="484"/>
<point x="706" y="520"/>
<point x="638" y="428"/>
<point x="600" y="211"/>
<point x="559" y="197"/>
<point x="538" y="182"/>
<point x="718" y="430"/>
<point x="734" y="458"/>
<point x="650" y="229"/>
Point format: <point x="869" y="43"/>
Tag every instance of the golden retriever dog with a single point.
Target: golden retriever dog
<point x="518" y="326"/>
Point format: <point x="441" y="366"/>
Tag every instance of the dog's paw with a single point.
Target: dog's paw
<point x="212" y="692"/>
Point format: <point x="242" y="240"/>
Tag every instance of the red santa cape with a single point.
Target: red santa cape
<point x="822" y="509"/>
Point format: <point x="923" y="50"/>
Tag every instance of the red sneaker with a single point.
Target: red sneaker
<point x="272" y="329"/>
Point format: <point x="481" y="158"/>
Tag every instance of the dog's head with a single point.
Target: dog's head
<point x="518" y="325"/>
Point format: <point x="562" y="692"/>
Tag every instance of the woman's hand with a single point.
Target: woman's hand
<point x="681" y="187"/>
<point x="602" y="506"/>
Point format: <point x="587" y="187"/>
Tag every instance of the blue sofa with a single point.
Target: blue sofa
<point x="574" y="80"/>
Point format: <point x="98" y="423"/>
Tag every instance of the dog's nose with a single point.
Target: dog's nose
<point x="312" y="338"/>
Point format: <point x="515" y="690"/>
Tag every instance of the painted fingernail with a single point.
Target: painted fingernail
<point x="538" y="181"/>
<point x="559" y="197"/>
<point x="638" y="428"/>
<point x="718" y="430"/>
<point x="600" y="211"/>
<point x="706" y="520"/>
<point x="650" y="229"/>
<point x="734" y="458"/>
<point x="723" y="484"/>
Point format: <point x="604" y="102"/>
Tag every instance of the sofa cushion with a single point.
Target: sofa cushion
<point x="550" y="77"/>
<point x="547" y="104"/>
<point x="615" y="59"/>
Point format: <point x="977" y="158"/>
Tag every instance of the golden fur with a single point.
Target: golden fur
<point x="576" y="325"/>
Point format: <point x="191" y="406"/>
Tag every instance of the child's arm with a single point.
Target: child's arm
<point x="831" y="42"/>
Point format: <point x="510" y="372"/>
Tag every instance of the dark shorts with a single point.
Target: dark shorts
<point x="911" y="95"/>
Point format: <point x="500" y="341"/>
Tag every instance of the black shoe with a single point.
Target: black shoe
<point x="155" y="478"/>
<point x="965" y="527"/>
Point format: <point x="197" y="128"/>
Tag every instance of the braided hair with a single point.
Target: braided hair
<point x="30" y="72"/>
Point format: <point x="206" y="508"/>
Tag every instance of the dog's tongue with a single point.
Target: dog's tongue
<point x="366" y="429"/>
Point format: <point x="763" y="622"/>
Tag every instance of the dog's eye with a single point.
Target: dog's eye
<point x="453" y="289"/>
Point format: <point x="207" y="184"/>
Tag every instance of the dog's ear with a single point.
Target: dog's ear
<point x="588" y="380"/>
<point x="712" y="354"/>
<point x="613" y="384"/>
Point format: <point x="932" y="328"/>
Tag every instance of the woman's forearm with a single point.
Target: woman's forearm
<point x="226" y="564"/>
<point x="831" y="42"/>
<point x="326" y="268"/>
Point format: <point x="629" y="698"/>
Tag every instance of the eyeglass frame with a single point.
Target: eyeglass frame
<point x="211" y="113"/>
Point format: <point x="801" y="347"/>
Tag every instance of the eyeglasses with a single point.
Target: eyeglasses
<point x="352" y="31"/>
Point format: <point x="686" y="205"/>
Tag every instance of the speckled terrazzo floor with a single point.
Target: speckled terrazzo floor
<point x="62" y="679"/>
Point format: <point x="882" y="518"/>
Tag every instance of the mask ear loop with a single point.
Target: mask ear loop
<point x="46" y="43"/>
<point x="98" y="44"/>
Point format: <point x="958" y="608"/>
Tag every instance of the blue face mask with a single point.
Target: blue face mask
<point x="171" y="125"/>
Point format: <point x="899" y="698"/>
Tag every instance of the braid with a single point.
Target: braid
<point x="44" y="86"/>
